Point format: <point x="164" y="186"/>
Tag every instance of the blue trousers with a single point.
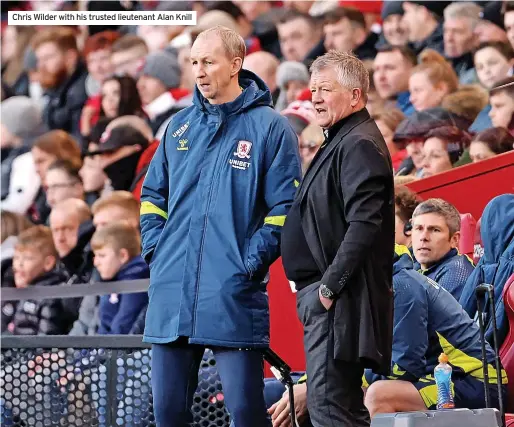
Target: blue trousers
<point x="175" y="379"/>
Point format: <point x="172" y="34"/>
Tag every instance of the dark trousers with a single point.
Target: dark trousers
<point x="175" y="379"/>
<point x="334" y="393"/>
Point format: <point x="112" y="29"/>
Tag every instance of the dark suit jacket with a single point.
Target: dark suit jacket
<point x="347" y="211"/>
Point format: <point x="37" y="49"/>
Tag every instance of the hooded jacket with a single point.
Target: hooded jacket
<point x="450" y="272"/>
<point x="213" y="203"/>
<point x="427" y="322"/>
<point x="118" y="312"/>
<point x="496" y="265"/>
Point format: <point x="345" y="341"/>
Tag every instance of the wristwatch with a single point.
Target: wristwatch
<point x="326" y="293"/>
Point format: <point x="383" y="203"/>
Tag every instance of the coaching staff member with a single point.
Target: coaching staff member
<point x="337" y="246"/>
<point x="213" y="205"/>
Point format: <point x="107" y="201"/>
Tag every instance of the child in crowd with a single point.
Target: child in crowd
<point x="117" y="249"/>
<point x="34" y="263"/>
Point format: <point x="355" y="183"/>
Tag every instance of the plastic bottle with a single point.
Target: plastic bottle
<point x="443" y="379"/>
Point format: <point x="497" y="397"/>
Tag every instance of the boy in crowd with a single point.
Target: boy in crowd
<point x="117" y="249"/>
<point x="34" y="263"/>
<point x="501" y="98"/>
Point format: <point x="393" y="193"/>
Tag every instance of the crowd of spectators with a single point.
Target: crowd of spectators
<point x="83" y="110"/>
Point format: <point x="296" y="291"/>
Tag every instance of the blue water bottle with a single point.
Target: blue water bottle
<point x="443" y="379"/>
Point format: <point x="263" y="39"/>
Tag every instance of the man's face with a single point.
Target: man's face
<point x="128" y="62"/>
<point x="60" y="186"/>
<point x="149" y="89"/>
<point x="331" y="101"/>
<point x="491" y="66"/>
<point x="486" y="31"/>
<point x="395" y="30"/>
<point x="412" y="20"/>
<point x="302" y="6"/>
<point x="253" y="9"/>
<point x="391" y="74"/>
<point x="458" y="37"/>
<point x="99" y="64"/>
<point x="29" y="264"/>
<point x="65" y="230"/>
<point x="263" y="68"/>
<point x="51" y="64"/>
<point x="108" y="261"/>
<point x="431" y="238"/>
<point x="502" y="109"/>
<point x="508" y="20"/>
<point x="296" y="39"/>
<point x="113" y="214"/>
<point x="341" y="35"/>
<point x="156" y="37"/>
<point x="212" y="69"/>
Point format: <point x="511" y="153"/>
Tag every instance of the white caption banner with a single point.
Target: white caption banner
<point x="101" y="18"/>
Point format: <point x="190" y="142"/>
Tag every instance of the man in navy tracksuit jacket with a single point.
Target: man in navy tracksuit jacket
<point x="212" y="207"/>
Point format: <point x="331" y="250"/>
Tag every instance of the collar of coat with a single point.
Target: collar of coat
<point x="347" y="122"/>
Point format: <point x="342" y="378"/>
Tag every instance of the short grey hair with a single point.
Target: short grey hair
<point x="440" y="207"/>
<point x="351" y="72"/>
<point x="467" y="10"/>
<point x="234" y="44"/>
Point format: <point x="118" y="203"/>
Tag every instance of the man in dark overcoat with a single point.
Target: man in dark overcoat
<point x="337" y="246"/>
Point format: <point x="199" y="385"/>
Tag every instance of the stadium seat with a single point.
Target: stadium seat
<point x="507" y="348"/>
<point x="467" y="234"/>
<point x="478" y="247"/>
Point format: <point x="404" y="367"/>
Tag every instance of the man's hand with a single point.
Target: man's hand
<point x="327" y="303"/>
<point x="280" y="413"/>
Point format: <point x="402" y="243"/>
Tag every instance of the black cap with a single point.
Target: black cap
<point x="117" y="138"/>
<point x="436" y="7"/>
<point x="492" y="12"/>
<point x="391" y="7"/>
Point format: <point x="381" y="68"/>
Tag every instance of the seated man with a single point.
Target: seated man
<point x="428" y="321"/>
<point x="435" y="239"/>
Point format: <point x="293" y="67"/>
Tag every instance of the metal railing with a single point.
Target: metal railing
<point x="100" y="380"/>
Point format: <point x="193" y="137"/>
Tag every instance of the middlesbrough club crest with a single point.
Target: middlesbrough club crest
<point x="243" y="149"/>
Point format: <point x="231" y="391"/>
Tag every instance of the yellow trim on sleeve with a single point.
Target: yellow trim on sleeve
<point x="302" y="379"/>
<point x="148" y="208"/>
<point x="275" y="220"/>
<point x="296" y="183"/>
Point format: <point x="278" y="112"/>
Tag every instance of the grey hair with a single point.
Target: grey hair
<point x="351" y="72"/>
<point x="234" y="44"/>
<point x="440" y="207"/>
<point x="467" y="10"/>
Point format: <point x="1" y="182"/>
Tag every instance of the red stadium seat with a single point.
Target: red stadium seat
<point x="478" y="248"/>
<point x="507" y="348"/>
<point x="467" y="234"/>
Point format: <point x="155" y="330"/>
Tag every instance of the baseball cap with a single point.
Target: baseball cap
<point x="121" y="136"/>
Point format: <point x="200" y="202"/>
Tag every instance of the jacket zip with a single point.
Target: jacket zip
<point x="197" y="284"/>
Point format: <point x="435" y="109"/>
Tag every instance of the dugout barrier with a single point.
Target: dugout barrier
<point x="100" y="380"/>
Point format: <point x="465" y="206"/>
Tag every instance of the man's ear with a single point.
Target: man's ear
<point x="237" y="64"/>
<point x="49" y="263"/>
<point x="356" y="96"/>
<point x="455" y="240"/>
